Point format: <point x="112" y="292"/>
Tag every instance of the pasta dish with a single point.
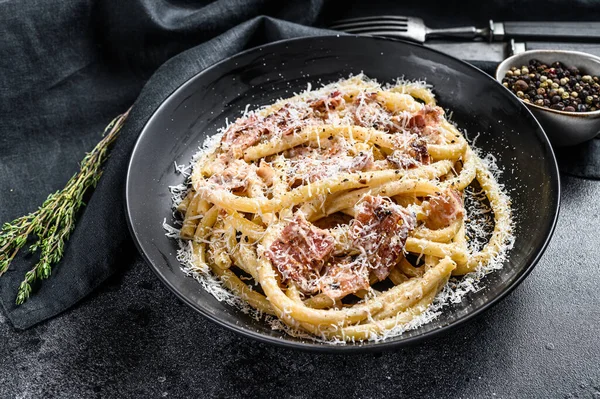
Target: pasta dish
<point x="343" y="212"/>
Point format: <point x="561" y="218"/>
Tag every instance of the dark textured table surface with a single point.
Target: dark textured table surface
<point x="133" y="338"/>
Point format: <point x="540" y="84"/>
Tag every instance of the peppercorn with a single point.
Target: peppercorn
<point x="521" y="85"/>
<point x="555" y="99"/>
<point x="565" y="95"/>
<point x="564" y="81"/>
<point x="539" y="102"/>
<point x="520" y="94"/>
<point x="582" y="108"/>
<point x="569" y="109"/>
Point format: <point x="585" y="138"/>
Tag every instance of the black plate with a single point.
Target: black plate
<point x="260" y="76"/>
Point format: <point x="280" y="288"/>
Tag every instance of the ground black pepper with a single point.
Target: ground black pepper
<point x="556" y="86"/>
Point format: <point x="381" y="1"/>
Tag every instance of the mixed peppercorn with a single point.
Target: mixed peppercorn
<point x="554" y="86"/>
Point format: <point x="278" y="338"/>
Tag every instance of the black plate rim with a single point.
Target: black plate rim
<point x="349" y="348"/>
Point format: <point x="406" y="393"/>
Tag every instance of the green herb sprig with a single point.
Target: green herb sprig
<point x="54" y="221"/>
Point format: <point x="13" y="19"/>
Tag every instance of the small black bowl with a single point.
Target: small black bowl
<point x="480" y="105"/>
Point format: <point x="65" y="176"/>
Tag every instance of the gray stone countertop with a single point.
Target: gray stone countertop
<point x="133" y="338"/>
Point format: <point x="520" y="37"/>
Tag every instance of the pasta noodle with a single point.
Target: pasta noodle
<point x="341" y="211"/>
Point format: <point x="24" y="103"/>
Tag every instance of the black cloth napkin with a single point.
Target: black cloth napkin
<point x="68" y="68"/>
<point x="582" y="160"/>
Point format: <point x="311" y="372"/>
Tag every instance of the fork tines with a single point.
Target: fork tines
<point x="374" y="23"/>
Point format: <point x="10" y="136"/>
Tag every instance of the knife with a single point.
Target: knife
<point x="496" y="52"/>
<point x="591" y="48"/>
<point x="547" y="31"/>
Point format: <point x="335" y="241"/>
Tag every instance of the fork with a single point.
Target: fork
<point x="408" y="28"/>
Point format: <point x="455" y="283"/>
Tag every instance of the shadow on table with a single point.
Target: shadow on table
<point x="582" y="160"/>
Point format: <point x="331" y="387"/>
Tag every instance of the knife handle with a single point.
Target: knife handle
<point x="556" y="31"/>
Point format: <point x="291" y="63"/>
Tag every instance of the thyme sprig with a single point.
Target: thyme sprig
<point x="54" y="221"/>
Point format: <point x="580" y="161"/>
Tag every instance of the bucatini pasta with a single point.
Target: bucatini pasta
<point x="341" y="211"/>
